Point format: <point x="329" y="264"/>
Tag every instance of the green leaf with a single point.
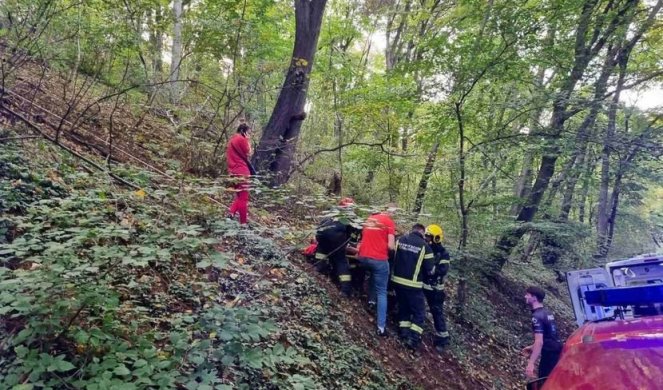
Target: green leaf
<point x="197" y="359"/>
<point x="203" y="264"/>
<point x="220" y="259"/>
<point x="23" y="387"/>
<point x="21" y="351"/>
<point x="121" y="370"/>
<point x="63" y="365"/>
<point x="254" y="358"/>
<point x="140" y="363"/>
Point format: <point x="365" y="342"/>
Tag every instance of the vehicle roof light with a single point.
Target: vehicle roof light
<point x="624" y="296"/>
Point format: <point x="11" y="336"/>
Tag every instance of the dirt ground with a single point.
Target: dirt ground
<point x="425" y="368"/>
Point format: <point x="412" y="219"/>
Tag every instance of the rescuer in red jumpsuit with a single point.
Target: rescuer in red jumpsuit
<point x="237" y="158"/>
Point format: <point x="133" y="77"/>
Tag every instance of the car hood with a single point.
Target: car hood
<point x="620" y="354"/>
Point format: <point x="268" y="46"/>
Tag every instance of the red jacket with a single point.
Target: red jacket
<point x="375" y="237"/>
<point x="237" y="153"/>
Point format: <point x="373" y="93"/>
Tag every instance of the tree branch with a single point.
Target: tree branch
<point x="36" y="129"/>
<point x="298" y="168"/>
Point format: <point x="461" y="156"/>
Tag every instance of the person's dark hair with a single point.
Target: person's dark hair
<point x="537" y="292"/>
<point x="418" y="227"/>
<point x="243" y="128"/>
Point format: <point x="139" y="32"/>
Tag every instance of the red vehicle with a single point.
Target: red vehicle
<point x="619" y="345"/>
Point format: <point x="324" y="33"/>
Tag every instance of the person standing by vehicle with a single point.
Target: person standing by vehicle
<point x="434" y="285"/>
<point x="238" y="152"/>
<point x="377" y="238"/>
<point x="546" y="341"/>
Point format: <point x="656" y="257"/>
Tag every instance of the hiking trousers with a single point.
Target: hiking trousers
<point x="241" y="203"/>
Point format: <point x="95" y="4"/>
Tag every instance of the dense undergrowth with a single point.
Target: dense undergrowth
<point x="105" y="287"/>
<point x="102" y="287"/>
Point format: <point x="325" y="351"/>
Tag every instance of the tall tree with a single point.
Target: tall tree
<point x="156" y="40"/>
<point x="176" y="52"/>
<point x="278" y="143"/>
<point x="598" y="23"/>
<point x="423" y="183"/>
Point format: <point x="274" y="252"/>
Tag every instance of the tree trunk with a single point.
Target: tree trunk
<point x="462" y="209"/>
<point x="423" y="183"/>
<point x="589" y="168"/>
<point x="394" y="45"/>
<point x="523" y="185"/>
<point x="583" y="134"/>
<point x="335" y="185"/>
<point x="531" y="247"/>
<point x="567" y="200"/>
<point x="603" y="208"/>
<point x="521" y="189"/>
<point x="405" y="135"/>
<point x="176" y="52"/>
<point x="623" y="168"/>
<point x="157" y="43"/>
<point x="612" y="219"/>
<point x="278" y="143"/>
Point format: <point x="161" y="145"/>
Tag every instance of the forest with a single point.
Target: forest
<point x="531" y="131"/>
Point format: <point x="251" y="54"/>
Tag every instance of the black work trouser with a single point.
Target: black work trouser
<point x="411" y="314"/>
<point x="435" y="299"/>
<point x="334" y="252"/>
<point x="548" y="361"/>
<point x="358" y="275"/>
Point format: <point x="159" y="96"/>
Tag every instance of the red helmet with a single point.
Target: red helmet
<point x="345" y="202"/>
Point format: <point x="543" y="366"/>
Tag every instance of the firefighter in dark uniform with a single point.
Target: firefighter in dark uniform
<point x="357" y="273"/>
<point x="434" y="285"/>
<point x="413" y="260"/>
<point x="333" y="235"/>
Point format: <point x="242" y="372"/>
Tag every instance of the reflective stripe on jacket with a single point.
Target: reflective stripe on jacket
<point x="413" y="259"/>
<point x="435" y="281"/>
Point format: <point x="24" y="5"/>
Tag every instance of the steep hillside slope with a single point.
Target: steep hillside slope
<point x="103" y="287"/>
<point x="102" y="272"/>
<point x="146" y="285"/>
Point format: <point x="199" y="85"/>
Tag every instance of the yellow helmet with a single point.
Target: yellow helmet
<point x="435" y="231"/>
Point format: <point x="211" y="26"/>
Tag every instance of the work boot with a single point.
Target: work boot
<point x="413" y="341"/>
<point x="322" y="266"/>
<point x="382" y="333"/>
<point x="411" y="344"/>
